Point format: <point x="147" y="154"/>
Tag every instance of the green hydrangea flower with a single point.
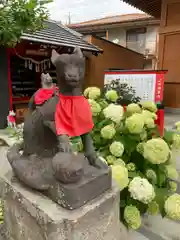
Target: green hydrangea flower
<point x="133" y="108"/>
<point x="153" y="208"/>
<point x="92" y="93"/>
<point x="135" y="123"/>
<point x="110" y="159"/>
<point x="177" y="124"/>
<point x="108" y="132"/>
<point x="143" y="135"/>
<point x="131" y="167"/>
<point x="147" y="114"/>
<point x="95" y="107"/>
<point x="178" y="129"/>
<point x="120" y="176"/>
<point x="140" y="148"/>
<point x="116" y="149"/>
<point x="86" y="92"/>
<point x="112" y="95"/>
<point x="172" y="160"/>
<point x="149" y="106"/>
<point x="132" y="217"/>
<point x="173" y="186"/>
<point x="156" y="151"/>
<point x="176" y="141"/>
<point x="172" y="207"/>
<point x="171" y="172"/>
<point x="151" y="176"/>
<point x="119" y="161"/>
<point x="149" y="122"/>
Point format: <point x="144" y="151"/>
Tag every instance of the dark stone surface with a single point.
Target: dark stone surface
<point x="93" y="183"/>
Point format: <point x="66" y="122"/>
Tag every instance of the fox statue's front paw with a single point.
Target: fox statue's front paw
<point x="95" y="161"/>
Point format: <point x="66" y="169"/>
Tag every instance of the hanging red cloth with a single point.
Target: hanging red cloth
<point x="73" y="116"/>
<point x="11" y="119"/>
<point x="43" y="94"/>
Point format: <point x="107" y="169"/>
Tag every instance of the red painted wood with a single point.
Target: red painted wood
<point x="9" y="78"/>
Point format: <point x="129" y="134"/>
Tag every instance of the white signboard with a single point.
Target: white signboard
<point x="143" y="84"/>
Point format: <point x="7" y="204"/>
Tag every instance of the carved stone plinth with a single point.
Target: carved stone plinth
<point x="93" y="183"/>
<point x="30" y="215"/>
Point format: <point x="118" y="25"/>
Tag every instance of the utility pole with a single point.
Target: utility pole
<point x="69" y="18"/>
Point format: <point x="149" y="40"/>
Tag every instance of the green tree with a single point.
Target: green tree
<point x="18" y="16"/>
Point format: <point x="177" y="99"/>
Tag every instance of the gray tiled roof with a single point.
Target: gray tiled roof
<point x="57" y="34"/>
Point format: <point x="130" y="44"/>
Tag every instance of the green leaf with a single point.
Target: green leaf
<point x="129" y="143"/>
<point x="168" y="136"/>
<point x="132" y="174"/>
<point x="161" y="176"/>
<point x="103" y="123"/>
<point x="20" y="16"/>
<point x="161" y="194"/>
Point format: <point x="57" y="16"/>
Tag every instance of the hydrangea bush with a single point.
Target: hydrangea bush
<point x="140" y="159"/>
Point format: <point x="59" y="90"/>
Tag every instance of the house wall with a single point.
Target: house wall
<point x="151" y="35"/>
<point x="114" y="56"/>
<point x="169" y="54"/>
<point x="4" y="88"/>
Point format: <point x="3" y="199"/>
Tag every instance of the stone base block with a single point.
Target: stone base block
<point x="93" y="184"/>
<point x="29" y="215"/>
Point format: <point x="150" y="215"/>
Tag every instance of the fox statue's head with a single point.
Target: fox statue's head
<point x="70" y="68"/>
<point x="46" y="80"/>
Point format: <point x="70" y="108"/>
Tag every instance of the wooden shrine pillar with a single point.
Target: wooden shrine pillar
<point x="4" y="87"/>
<point x="169" y="51"/>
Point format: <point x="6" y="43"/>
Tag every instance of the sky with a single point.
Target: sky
<point x="84" y="10"/>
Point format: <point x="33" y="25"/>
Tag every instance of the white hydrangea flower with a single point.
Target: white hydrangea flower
<point x="141" y="190"/>
<point x="114" y="112"/>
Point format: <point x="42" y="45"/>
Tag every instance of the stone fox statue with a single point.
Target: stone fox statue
<point x="47" y="152"/>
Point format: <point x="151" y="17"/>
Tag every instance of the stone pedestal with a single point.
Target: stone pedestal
<point x="29" y="215"/>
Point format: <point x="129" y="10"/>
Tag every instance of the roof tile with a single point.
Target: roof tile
<point x="113" y="19"/>
<point x="59" y="35"/>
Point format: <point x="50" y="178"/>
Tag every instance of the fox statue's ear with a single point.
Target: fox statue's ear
<point x="78" y="52"/>
<point x="48" y="75"/>
<point x="54" y="56"/>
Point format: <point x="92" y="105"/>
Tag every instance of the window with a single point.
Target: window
<point x="136" y="39"/>
<point x="101" y="34"/>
